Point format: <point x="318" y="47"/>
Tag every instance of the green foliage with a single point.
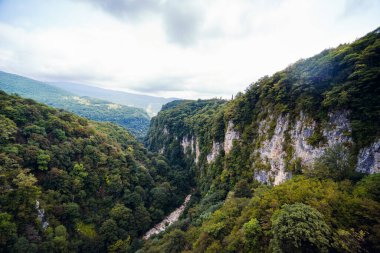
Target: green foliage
<point x="299" y="227"/>
<point x="136" y="120"/>
<point x="8" y="229"/>
<point x="93" y="180"/>
<point x="8" y="129"/>
<point x="252" y="232"/>
<point x="300" y="215"/>
<point x="242" y="189"/>
<point x="334" y="163"/>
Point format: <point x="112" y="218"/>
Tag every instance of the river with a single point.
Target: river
<point x="170" y="219"/>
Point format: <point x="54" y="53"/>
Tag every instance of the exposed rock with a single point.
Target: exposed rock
<point x="41" y="215"/>
<point x="337" y="131"/>
<point x="197" y="151"/>
<point x="261" y="176"/>
<point x="166" y="131"/>
<point x="170" y="219"/>
<point x="369" y="159"/>
<point x="188" y="143"/>
<point x="304" y="128"/>
<point x="229" y="137"/>
<point x="216" y="147"/>
<point x="272" y="151"/>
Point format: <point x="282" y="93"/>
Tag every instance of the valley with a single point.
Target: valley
<point x="290" y="165"/>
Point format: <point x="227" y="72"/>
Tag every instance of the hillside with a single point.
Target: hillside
<point x="70" y="184"/>
<point x="150" y="104"/>
<point x="134" y="119"/>
<point x="282" y="167"/>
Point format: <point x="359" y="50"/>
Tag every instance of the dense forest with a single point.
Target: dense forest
<point x="136" y="120"/>
<point x="70" y="184"/>
<point x="311" y="124"/>
<point x="290" y="165"/>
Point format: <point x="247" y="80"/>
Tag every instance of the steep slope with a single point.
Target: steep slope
<point x="150" y="104"/>
<point x="282" y="123"/>
<point x="70" y="184"/>
<point x="284" y="166"/>
<point x="134" y="119"/>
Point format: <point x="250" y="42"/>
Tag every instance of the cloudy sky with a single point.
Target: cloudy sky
<point x="180" y="48"/>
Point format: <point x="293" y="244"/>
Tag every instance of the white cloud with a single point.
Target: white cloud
<point x="183" y="48"/>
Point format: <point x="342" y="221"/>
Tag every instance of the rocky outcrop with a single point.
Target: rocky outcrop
<point x="188" y="143"/>
<point x="369" y="159"/>
<point x="337" y="130"/>
<point x="41" y="215"/>
<point x="197" y="151"/>
<point x="229" y="137"/>
<point x="272" y="152"/>
<point x="216" y="147"/>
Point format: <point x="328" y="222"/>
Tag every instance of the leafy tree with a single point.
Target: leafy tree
<point x="300" y="228"/>
<point x="242" y="189"/>
<point x="109" y="231"/>
<point x="8" y="229"/>
<point x="252" y="232"/>
<point x="8" y="129"/>
<point x="43" y="160"/>
<point x="60" y="239"/>
<point x="334" y="163"/>
<point x="120" y="246"/>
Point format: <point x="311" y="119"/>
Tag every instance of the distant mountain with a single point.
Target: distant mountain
<point x="136" y="120"/>
<point x="149" y="103"/>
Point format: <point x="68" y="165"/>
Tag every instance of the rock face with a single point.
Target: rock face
<point x="229" y="137"/>
<point x="271" y="157"/>
<point x="273" y="153"/>
<point x="41" y="215"/>
<point x="337" y="130"/>
<point x="188" y="143"/>
<point x="216" y="147"/>
<point x="369" y="159"/>
<point x="197" y="151"/>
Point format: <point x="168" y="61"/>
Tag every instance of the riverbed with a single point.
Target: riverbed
<point x="170" y="219"/>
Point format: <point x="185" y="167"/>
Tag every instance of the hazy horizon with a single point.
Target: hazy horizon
<point x="183" y="49"/>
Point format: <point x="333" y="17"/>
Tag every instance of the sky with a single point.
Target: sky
<point x="173" y="48"/>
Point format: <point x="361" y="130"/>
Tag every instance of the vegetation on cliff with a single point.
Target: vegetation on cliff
<point x="70" y="184"/>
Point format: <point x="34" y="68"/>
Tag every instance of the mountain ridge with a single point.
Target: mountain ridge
<point x="134" y="119"/>
<point x="151" y="104"/>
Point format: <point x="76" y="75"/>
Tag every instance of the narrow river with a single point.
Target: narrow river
<point x="170" y="219"/>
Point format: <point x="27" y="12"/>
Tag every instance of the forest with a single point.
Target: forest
<point x="326" y="206"/>
<point x="70" y="184"/>
<point x="135" y="120"/>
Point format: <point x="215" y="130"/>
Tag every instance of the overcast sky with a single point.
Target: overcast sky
<point x="181" y="48"/>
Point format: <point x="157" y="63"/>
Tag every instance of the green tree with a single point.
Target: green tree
<point x="8" y="229"/>
<point x="60" y="239"/>
<point x="120" y="246"/>
<point x="123" y="216"/>
<point x="109" y="231"/>
<point x="253" y="232"/>
<point x="43" y="160"/>
<point x="334" y="163"/>
<point x="299" y="228"/>
<point x="242" y="189"/>
<point x="8" y="129"/>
